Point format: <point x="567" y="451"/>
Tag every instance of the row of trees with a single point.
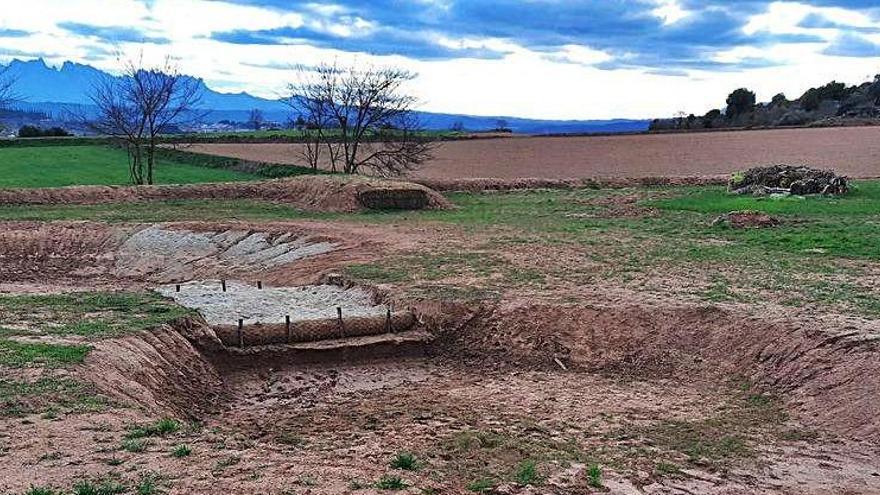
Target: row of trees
<point x="353" y="119"/>
<point x="834" y="99"/>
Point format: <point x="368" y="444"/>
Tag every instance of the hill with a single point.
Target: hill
<point x="834" y="104"/>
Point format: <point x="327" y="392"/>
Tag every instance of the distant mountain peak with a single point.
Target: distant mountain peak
<point x="40" y="84"/>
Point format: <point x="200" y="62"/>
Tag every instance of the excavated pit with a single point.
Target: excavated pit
<point x="325" y="377"/>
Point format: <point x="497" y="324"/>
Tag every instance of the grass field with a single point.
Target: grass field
<point x="99" y="165"/>
<point x="816" y="255"/>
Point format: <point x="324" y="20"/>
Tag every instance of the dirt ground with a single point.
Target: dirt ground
<point x="651" y="391"/>
<point x="852" y="151"/>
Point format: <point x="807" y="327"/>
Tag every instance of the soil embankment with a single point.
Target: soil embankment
<point x="312" y="193"/>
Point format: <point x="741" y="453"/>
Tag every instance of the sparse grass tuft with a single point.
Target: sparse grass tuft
<point x="481" y="485"/>
<point x="134" y="445"/>
<point x="594" y="476"/>
<point x="148" y="484"/>
<point x="405" y="461"/>
<point x="668" y="469"/>
<point x="391" y="482"/>
<point x="41" y="490"/>
<point x="527" y="473"/>
<point x="181" y="451"/>
<point x="159" y="428"/>
<point x="105" y="487"/>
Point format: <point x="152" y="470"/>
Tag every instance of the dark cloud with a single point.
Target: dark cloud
<point x="853" y="45"/>
<point x="112" y="34"/>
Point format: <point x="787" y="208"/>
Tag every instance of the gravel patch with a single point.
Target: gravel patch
<point x="173" y="254"/>
<point x="270" y="304"/>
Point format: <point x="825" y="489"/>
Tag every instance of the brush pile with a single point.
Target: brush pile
<point x="787" y="179"/>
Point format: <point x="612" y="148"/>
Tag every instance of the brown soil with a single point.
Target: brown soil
<point x="615" y="377"/>
<point x="851" y="151"/>
<point x="313" y="193"/>
<point x="746" y="220"/>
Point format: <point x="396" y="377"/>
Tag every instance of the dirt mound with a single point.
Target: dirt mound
<point x="498" y="184"/>
<point x="159" y="370"/>
<point x="826" y="370"/>
<point x="746" y="219"/>
<point x="787" y="179"/>
<point x="313" y="193"/>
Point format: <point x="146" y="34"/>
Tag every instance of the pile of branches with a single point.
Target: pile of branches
<point x="788" y="179"/>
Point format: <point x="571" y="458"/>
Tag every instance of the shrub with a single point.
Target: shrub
<point x="31" y="131"/>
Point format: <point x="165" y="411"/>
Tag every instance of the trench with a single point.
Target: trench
<point x="828" y="379"/>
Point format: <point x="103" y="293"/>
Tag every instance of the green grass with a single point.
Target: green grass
<point x="134" y="445"/>
<point x="527" y="473"/>
<point x="88" y="314"/>
<point x="391" y="483"/>
<point x="405" y="461"/>
<point x="815" y="253"/>
<point x="20" y="354"/>
<point x="156" y="211"/>
<point x="42" y="490"/>
<point x="481" y="485"/>
<point x="54" y="166"/>
<point x="148" y="484"/>
<point x="594" y="476"/>
<point x="20" y="398"/>
<point x="104" y="487"/>
<point x="181" y="451"/>
<point x="158" y="428"/>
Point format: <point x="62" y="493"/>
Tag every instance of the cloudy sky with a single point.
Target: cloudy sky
<point x="577" y="59"/>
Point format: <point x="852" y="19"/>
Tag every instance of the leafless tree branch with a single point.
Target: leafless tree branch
<point x="140" y="105"/>
<point x="361" y="117"/>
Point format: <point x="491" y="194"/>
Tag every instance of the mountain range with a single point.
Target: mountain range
<point x="53" y="91"/>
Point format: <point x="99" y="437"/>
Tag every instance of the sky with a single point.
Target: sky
<point x="553" y="59"/>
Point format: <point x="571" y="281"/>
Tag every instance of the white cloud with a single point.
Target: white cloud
<point x="670" y="11"/>
<point x="562" y="84"/>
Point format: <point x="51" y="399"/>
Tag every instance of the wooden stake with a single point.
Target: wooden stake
<point x="287" y="322"/>
<point x="223" y="284"/>
<point x="341" y="324"/>
<point x="240" y="332"/>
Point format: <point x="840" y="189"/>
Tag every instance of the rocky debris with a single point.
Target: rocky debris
<point x="746" y="220"/>
<point x="788" y="179"/>
<point x="175" y="254"/>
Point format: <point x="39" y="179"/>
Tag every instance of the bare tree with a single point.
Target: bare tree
<point x="140" y="105"/>
<point x="7" y="81"/>
<point x="7" y="95"/>
<point x="256" y="119"/>
<point x="361" y="117"/>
